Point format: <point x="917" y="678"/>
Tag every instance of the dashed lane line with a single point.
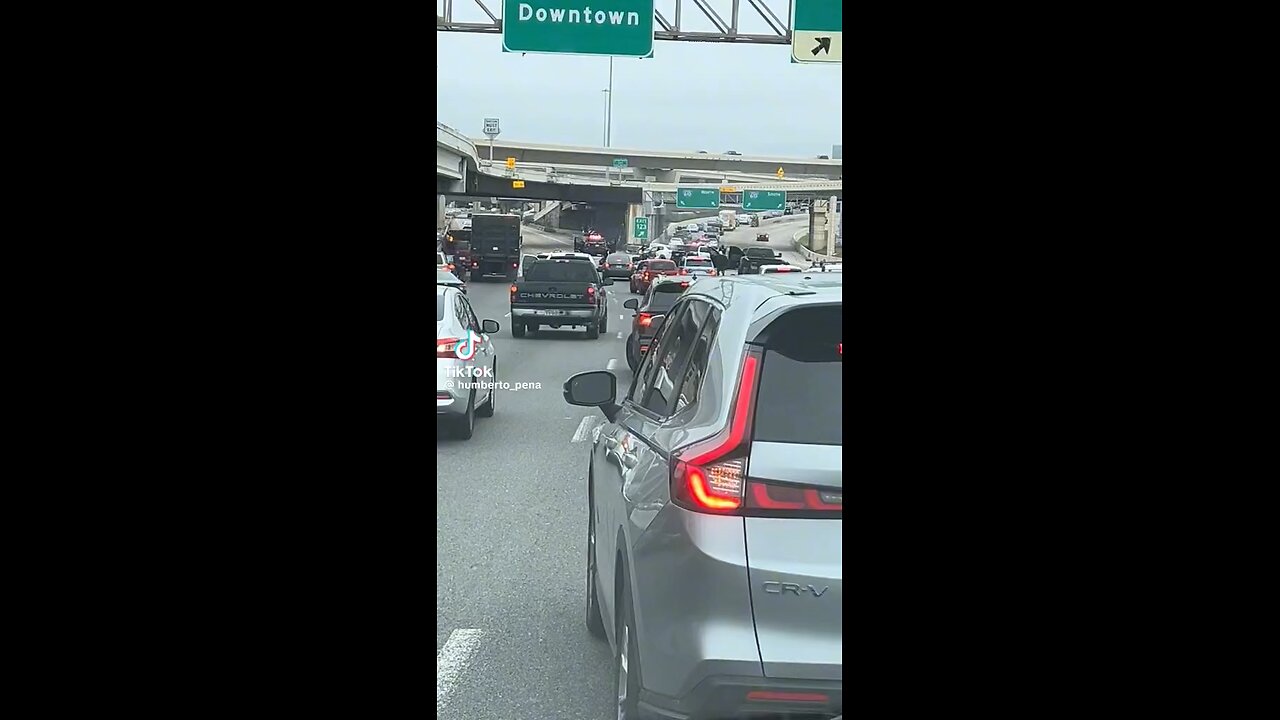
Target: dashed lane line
<point x="613" y="362"/>
<point x="584" y="427"/>
<point x="452" y="662"/>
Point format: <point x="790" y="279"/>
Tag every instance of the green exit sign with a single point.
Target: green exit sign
<point x="763" y="199"/>
<point x="697" y="198"/>
<point x="619" y="163"/>
<point x="641" y="228"/>
<point x="574" y="27"/>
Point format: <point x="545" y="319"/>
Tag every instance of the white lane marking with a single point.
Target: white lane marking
<point x="506" y="315"/>
<point x="613" y="362"/>
<point x="595" y="433"/>
<point x="452" y="661"/>
<point x="621" y="317"/>
<point x="619" y="336"/>
<point x="583" y="428"/>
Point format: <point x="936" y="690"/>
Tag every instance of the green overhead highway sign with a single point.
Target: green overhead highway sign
<point x="697" y="198"/>
<point x="619" y="163"/>
<point x="642" y="228"/>
<point x="816" y="31"/>
<point x="764" y="199"/>
<point x="574" y="27"/>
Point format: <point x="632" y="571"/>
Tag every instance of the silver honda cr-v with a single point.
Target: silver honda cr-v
<point x="714" y="548"/>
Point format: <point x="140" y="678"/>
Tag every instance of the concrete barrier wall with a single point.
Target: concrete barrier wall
<point x="800" y="238"/>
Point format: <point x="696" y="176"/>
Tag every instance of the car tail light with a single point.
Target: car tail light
<point x="447" y="348"/>
<point x="783" y="270"/>
<point x="514" y="265"/>
<point x="591" y="295"/>
<point x="450" y="267"/>
<point x="710" y="476"/>
<point x="644" y="349"/>
<point x="442" y="396"/>
<point x="683" y="271"/>
<point x="513" y="292"/>
<point x="645" y="319"/>
<point x="711" y="272"/>
<point x="648" y="275"/>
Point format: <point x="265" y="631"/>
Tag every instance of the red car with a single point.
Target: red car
<point x="647" y="270"/>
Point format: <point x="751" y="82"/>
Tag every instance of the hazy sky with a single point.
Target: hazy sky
<point x="689" y="96"/>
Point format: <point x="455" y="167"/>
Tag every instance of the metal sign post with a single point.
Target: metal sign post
<point x="491" y="131"/>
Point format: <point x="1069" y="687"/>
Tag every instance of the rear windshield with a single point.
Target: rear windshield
<point x="801" y="383"/>
<point x="759" y="252"/>
<point x="697" y="263"/>
<point x="561" y="271"/>
<point x="662" y="265"/>
<point x="619" y="258"/>
<point x="439" y="307"/>
<point x="664" y="297"/>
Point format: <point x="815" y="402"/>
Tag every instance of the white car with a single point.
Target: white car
<point x="826" y="267"/>
<point x="564" y="256"/>
<point x="661" y="251"/>
<point x="744" y="219"/>
<point x="463" y="346"/>
<point x="693" y="227"/>
<point x="771" y="269"/>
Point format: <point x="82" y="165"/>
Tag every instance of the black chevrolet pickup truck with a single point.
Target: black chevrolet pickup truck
<point x="560" y="292"/>
<point x="753" y="257"/>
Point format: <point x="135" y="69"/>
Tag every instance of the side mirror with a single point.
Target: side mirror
<point x="632" y="304"/>
<point x="489" y="327"/>
<point x="607" y="281"/>
<point x="777" y="254"/>
<point x="597" y="388"/>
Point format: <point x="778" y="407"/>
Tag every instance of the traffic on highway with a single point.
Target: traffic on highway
<point x="640" y="497"/>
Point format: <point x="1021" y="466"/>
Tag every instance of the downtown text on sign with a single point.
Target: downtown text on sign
<point x="817" y="31"/>
<point x="578" y="27"/>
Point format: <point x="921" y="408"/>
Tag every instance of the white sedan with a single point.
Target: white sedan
<point x="658" y="250"/>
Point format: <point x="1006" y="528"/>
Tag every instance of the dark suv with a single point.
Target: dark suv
<point x="650" y="310"/>
<point x="714" y="554"/>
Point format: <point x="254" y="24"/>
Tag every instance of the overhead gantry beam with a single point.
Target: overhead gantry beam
<point x="772" y="19"/>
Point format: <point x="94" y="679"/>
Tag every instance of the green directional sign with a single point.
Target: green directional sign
<point x="578" y="27"/>
<point x="817" y="31"/>
<point x="642" y="228"/>
<point x="619" y="163"/>
<point x="697" y="198"/>
<point x="764" y="199"/>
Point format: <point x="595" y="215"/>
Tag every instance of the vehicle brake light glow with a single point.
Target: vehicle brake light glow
<point x="447" y="348"/>
<point x="840" y="349"/>
<point x="591" y="295"/>
<point x="645" y="320"/>
<point x="711" y="476"/>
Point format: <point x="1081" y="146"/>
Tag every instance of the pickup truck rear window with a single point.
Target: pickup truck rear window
<point x="659" y="265"/>
<point x="565" y="271"/>
<point x="758" y="252"/>
<point x="801" y="379"/>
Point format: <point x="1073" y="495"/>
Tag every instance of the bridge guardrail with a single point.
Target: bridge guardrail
<point x="809" y="254"/>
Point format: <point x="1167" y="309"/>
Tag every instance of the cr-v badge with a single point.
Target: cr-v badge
<point x="779" y="588"/>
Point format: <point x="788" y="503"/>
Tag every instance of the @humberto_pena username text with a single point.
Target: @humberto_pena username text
<point x="460" y="384"/>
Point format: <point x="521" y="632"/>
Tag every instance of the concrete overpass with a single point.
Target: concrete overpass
<point x="657" y="163"/>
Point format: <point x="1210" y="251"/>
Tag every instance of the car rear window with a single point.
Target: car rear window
<point x="662" y="265"/>
<point x="439" y="308"/>
<point x="619" y="258"/>
<point x="697" y="263"/>
<point x="561" y="271"/>
<point x="801" y="378"/>
<point x="663" y="301"/>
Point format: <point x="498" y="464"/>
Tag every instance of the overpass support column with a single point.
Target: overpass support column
<point x="440" y="219"/>
<point x="634" y="210"/>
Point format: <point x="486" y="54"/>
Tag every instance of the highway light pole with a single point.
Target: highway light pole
<point x="608" y="113"/>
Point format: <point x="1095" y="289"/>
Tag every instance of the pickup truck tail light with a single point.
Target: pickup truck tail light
<point x="513" y="293"/>
<point x="591" y="295"/>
